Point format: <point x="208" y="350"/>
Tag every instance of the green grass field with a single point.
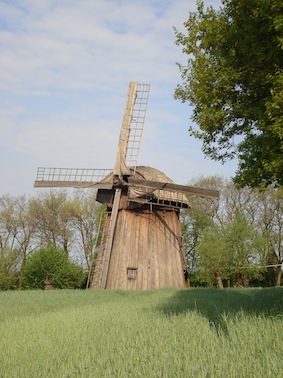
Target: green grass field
<point x="165" y="333"/>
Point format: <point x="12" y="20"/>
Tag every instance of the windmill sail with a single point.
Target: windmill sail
<point x="137" y="125"/>
<point x="73" y="178"/>
<point x="132" y="128"/>
<point x="150" y="186"/>
<point x="127" y="152"/>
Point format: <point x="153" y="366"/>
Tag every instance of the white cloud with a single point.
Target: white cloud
<point x="64" y="71"/>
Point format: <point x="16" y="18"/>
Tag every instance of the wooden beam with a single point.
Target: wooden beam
<point x="156" y="185"/>
<point x="71" y="184"/>
<point x="110" y="237"/>
<point x="121" y="168"/>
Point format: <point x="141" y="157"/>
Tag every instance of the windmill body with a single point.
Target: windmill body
<point x="147" y="249"/>
<point x="141" y="246"/>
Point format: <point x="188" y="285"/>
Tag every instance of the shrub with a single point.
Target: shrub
<point x="9" y="274"/>
<point x="54" y="265"/>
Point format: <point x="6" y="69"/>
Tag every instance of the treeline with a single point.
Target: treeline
<point x="236" y="241"/>
<point x="52" y="221"/>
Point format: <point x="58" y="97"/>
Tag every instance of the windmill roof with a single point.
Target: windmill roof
<point x="153" y="174"/>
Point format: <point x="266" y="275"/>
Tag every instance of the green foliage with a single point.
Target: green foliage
<point x="233" y="78"/>
<point x="246" y="246"/>
<point x="196" y="219"/>
<point x="193" y="222"/>
<point x="213" y="256"/>
<point x="235" y="250"/>
<point x="88" y="219"/>
<point x="72" y="223"/>
<point x="49" y="219"/>
<point x="248" y="221"/>
<point x="54" y="265"/>
<point x="8" y="273"/>
<point x="52" y="214"/>
<point x="163" y="333"/>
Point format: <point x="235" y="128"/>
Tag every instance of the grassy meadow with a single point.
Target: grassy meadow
<point x="163" y="333"/>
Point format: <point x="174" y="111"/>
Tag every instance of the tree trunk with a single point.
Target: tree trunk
<point x="278" y="276"/>
<point x="246" y="281"/>
<point x="20" y="282"/>
<point x="218" y="279"/>
<point x="187" y="280"/>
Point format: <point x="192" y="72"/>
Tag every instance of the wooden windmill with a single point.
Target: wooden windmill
<point x="141" y="245"/>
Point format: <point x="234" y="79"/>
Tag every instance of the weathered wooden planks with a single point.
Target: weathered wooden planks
<point x="149" y="241"/>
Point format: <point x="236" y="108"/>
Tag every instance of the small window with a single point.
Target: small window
<point x="132" y="273"/>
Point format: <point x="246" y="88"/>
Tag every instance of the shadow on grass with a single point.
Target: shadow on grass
<point x="215" y="304"/>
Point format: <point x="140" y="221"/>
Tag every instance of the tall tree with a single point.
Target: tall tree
<point x="26" y="227"/>
<point x="16" y="231"/>
<point x="233" y="78"/>
<point x="196" y="219"/>
<point x="213" y="256"/>
<point x="9" y="261"/>
<point x="234" y="251"/>
<point x="271" y="217"/>
<point x="244" y="217"/>
<point x="52" y="214"/>
<point x="88" y="219"/>
<point x="247" y="249"/>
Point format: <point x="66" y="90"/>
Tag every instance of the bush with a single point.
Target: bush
<point x="53" y="265"/>
<point x="9" y="275"/>
<point x="8" y="280"/>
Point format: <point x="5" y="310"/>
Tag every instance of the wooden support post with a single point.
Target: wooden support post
<point x="110" y="237"/>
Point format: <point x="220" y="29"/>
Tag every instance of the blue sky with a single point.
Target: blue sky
<point x="65" y="66"/>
